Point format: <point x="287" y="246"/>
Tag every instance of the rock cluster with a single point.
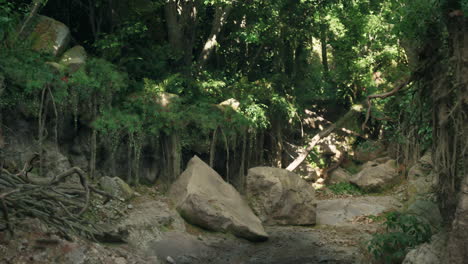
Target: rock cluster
<point x="204" y="199"/>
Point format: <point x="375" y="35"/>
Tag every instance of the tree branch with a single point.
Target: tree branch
<point x="382" y="96"/>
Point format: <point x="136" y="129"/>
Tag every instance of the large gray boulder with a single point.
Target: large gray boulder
<point x="280" y="197"/>
<point x="204" y="199"/>
<point x="432" y="252"/>
<point x="377" y="177"/>
<point x="50" y="36"/>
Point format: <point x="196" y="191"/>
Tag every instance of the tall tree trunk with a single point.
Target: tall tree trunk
<point x="277" y="144"/>
<point x="260" y="149"/>
<point x="174" y="28"/>
<point x="181" y="18"/>
<point x="189" y="22"/>
<point x="95" y="19"/>
<point x="323" y="43"/>
<point x="213" y="147"/>
<point x="242" y="181"/>
<point x="219" y="20"/>
<point x="172" y="156"/>
<point x="93" y="143"/>
<point x="457" y="250"/>
<point x="2" y="138"/>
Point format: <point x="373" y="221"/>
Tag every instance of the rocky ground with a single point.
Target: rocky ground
<point x="155" y="233"/>
<point x="339" y="237"/>
<point x="148" y="229"/>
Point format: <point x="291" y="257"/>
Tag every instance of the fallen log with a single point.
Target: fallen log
<point x="313" y="142"/>
<point x="341" y="126"/>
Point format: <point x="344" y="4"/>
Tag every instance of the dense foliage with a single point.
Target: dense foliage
<point x="402" y="233"/>
<point x="165" y="80"/>
<point x="276" y="58"/>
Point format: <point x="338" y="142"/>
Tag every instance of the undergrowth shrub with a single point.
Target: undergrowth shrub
<point x="402" y="232"/>
<point x="345" y="188"/>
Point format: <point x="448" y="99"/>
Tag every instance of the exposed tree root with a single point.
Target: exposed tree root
<point x="59" y="206"/>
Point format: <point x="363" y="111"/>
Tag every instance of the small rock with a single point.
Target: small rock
<point x="116" y="187"/>
<point x="130" y="206"/>
<point x="318" y="186"/>
<point x="169" y="259"/>
<point x="232" y="103"/>
<point x="74" y="58"/>
<point x="377" y="178"/>
<point x="339" y="175"/>
<point x="120" y="260"/>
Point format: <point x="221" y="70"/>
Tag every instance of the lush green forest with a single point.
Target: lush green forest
<point x="150" y="83"/>
<point x="275" y="58"/>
